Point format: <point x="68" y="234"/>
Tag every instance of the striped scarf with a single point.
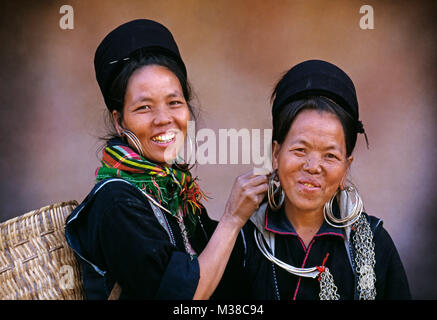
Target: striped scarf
<point x="173" y="189"/>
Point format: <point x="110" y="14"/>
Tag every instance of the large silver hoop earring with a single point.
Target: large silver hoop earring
<point x="348" y="215"/>
<point x="180" y="163"/>
<point x="134" y="140"/>
<point x="191" y="156"/>
<point x="273" y="190"/>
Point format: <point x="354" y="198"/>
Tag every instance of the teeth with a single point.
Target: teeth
<point x="164" y="138"/>
<point x="308" y="185"/>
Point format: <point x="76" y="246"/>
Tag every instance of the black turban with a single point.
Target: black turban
<point x="317" y="77"/>
<point x="126" y="41"/>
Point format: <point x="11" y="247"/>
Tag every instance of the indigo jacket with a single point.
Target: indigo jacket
<point x="249" y="275"/>
<point x="117" y="238"/>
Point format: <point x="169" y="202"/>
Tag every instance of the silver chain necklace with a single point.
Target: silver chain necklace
<point x="188" y="248"/>
<point x="364" y="259"/>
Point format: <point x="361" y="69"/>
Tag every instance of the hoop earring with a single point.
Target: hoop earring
<point x="134" y="140"/>
<point x="191" y="151"/>
<point x="180" y="163"/>
<point x="273" y="189"/>
<point x="345" y="202"/>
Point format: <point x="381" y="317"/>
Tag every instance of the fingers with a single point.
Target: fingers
<point x="246" y="195"/>
<point x="251" y="179"/>
<point x="257" y="181"/>
<point x="257" y="172"/>
<point x="261" y="171"/>
<point x="261" y="188"/>
<point x="252" y="188"/>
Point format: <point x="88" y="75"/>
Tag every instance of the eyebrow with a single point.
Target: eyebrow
<point x="306" y="143"/>
<point x="145" y="98"/>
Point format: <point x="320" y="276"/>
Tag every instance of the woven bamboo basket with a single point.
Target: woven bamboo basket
<point x="35" y="259"/>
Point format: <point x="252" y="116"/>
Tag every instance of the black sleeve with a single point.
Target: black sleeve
<point x="135" y="248"/>
<point x="392" y="282"/>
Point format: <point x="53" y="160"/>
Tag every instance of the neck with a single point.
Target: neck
<point x="305" y="222"/>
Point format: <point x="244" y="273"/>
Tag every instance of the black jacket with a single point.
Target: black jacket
<point x="117" y="237"/>
<point x="249" y="275"/>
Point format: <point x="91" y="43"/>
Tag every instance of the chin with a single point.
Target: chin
<point x="161" y="156"/>
<point x="307" y="205"/>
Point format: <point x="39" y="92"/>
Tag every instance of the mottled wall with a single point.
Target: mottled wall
<point x="52" y="113"/>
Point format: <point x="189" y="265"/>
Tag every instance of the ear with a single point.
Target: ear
<point x="350" y="160"/>
<point x="116" y="118"/>
<point x="276" y="147"/>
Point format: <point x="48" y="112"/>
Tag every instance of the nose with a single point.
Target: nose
<point x="312" y="165"/>
<point x="162" y="117"/>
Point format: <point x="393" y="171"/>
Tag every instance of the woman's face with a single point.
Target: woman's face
<point x="311" y="161"/>
<point x="155" y="110"/>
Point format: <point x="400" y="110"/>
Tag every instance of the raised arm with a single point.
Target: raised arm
<point x="246" y="195"/>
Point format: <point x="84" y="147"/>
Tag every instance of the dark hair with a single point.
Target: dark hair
<point x="283" y="120"/>
<point x="135" y="62"/>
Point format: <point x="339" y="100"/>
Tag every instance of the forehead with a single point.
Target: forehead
<point x="317" y="128"/>
<point x="153" y="78"/>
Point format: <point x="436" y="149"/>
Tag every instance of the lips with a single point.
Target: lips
<point x="312" y="184"/>
<point x="164" y="138"/>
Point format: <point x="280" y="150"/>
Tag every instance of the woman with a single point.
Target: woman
<point x="143" y="230"/>
<point x="312" y="226"/>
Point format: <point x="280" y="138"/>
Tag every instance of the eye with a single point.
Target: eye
<point x="144" y="107"/>
<point x="299" y="151"/>
<point x="176" y="103"/>
<point x="332" y="156"/>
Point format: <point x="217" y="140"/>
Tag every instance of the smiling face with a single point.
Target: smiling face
<point x="311" y="161"/>
<point x="156" y="111"/>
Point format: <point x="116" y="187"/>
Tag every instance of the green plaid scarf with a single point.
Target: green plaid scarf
<point x="173" y="189"/>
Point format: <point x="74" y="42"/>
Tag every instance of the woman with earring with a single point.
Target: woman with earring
<point x="143" y="232"/>
<point x="311" y="238"/>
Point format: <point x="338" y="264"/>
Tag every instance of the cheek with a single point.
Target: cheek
<point x="334" y="177"/>
<point x="140" y="125"/>
<point x="288" y="168"/>
<point x="182" y="119"/>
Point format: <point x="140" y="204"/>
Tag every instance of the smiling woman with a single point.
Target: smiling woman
<point x="143" y="232"/>
<point x="155" y="111"/>
<point x="312" y="224"/>
<point x="311" y="164"/>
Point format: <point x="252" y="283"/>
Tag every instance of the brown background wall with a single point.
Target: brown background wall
<point x="52" y="113"/>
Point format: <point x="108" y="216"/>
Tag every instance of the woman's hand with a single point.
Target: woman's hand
<point x="246" y="195"/>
